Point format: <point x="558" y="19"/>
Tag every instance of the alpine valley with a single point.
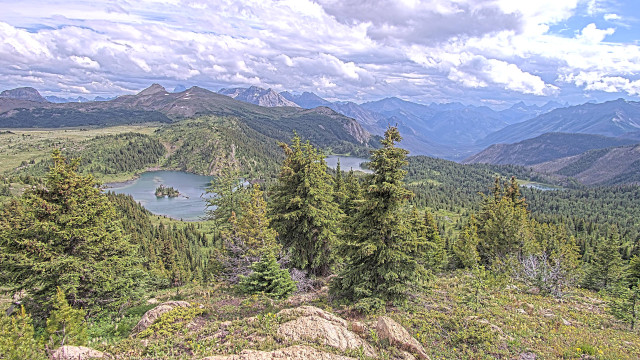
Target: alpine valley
<point x="474" y="233"/>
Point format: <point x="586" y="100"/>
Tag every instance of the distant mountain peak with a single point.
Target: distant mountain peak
<point x="23" y="93"/>
<point x="258" y="96"/>
<point x="152" y="90"/>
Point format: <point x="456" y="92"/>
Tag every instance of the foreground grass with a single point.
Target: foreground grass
<point x="504" y="321"/>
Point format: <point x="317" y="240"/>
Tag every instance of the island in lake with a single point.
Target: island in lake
<point x="169" y="191"/>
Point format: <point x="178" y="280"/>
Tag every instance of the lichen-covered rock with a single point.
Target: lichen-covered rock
<point x="399" y="337"/>
<point x="77" y="353"/>
<point x="150" y="316"/>
<point x="318" y="325"/>
<point x="298" y="352"/>
<point x="312" y="311"/>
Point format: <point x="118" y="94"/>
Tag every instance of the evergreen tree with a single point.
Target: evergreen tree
<point x="268" y="278"/>
<point x="17" y="340"/>
<point x="65" y="235"/>
<point x="383" y="255"/>
<point x="227" y="194"/>
<point x="501" y="229"/>
<point x="339" y="187"/>
<point x="253" y="226"/>
<point x="247" y="237"/>
<point x="605" y="268"/>
<point x="625" y="302"/>
<point x="353" y="194"/>
<point x="436" y="248"/>
<point x="65" y="325"/>
<point x="303" y="209"/>
<point x="466" y="246"/>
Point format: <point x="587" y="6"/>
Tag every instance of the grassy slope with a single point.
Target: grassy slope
<point x="508" y="323"/>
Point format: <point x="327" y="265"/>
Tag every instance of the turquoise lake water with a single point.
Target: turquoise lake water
<point x="190" y="205"/>
<point x="347" y="163"/>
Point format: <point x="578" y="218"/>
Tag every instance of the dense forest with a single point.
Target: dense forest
<point x="83" y="260"/>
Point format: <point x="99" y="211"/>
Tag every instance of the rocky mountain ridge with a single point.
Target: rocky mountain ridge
<point x="546" y="147"/>
<point x="258" y="96"/>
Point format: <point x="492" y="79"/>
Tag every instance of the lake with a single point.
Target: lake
<point x="190" y="205"/>
<point x="347" y="163"/>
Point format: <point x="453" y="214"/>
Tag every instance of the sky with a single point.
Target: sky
<point x="483" y="52"/>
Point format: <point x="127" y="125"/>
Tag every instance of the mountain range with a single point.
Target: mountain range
<point x="612" y="118"/>
<point x="610" y="166"/>
<point x="258" y="96"/>
<point x="543" y="148"/>
<point x="448" y="130"/>
<point x="323" y="126"/>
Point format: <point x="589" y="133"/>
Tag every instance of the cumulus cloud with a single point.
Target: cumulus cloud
<point x="440" y="50"/>
<point x="423" y="22"/>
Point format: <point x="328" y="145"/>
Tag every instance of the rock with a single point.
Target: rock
<point x="298" y="352"/>
<point x="527" y="356"/>
<point x="358" y="327"/>
<point x="150" y="316"/>
<point x="534" y="290"/>
<point x="548" y="315"/>
<point x="313" y="311"/>
<point x="566" y="322"/>
<point x="399" y="336"/>
<point x="406" y="356"/>
<point x="521" y="311"/>
<point x="152" y="301"/>
<point x="324" y="331"/>
<point x="77" y="353"/>
<point x="529" y="308"/>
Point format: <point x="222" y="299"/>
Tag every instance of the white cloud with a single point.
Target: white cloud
<point x="612" y="17"/>
<point x="592" y="34"/>
<point x="349" y="49"/>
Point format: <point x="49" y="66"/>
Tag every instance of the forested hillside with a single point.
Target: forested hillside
<point x="415" y="231"/>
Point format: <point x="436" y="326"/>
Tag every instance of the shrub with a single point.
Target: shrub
<point x="268" y="278"/>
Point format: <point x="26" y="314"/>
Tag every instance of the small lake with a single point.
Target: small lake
<point x="347" y="163"/>
<point x="190" y="205"/>
<point x="543" y="187"/>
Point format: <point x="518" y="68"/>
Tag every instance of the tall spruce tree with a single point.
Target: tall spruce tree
<point x="384" y="256"/>
<point x="606" y="267"/>
<point x="227" y="195"/>
<point x="303" y="209"/>
<point x="65" y="235"/>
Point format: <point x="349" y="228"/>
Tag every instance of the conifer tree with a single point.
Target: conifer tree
<point x="65" y="235"/>
<point x="303" y="209"/>
<point x="65" y="325"/>
<point x="625" y="302"/>
<point x="247" y="236"/>
<point x="253" y="226"/>
<point x="501" y="229"/>
<point x="268" y="278"/>
<point x="226" y="195"/>
<point x="605" y="268"/>
<point x="383" y="255"/>
<point x="17" y="340"/>
<point x="466" y="246"/>
<point x="353" y="192"/>
<point x="436" y="248"/>
<point x="339" y="187"/>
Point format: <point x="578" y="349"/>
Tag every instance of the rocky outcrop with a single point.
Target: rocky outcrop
<point x="297" y="352"/>
<point x="152" y="90"/>
<point x="317" y="325"/>
<point x="150" y="316"/>
<point x="23" y="93"/>
<point x="399" y="337"/>
<point x="77" y="353"/>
